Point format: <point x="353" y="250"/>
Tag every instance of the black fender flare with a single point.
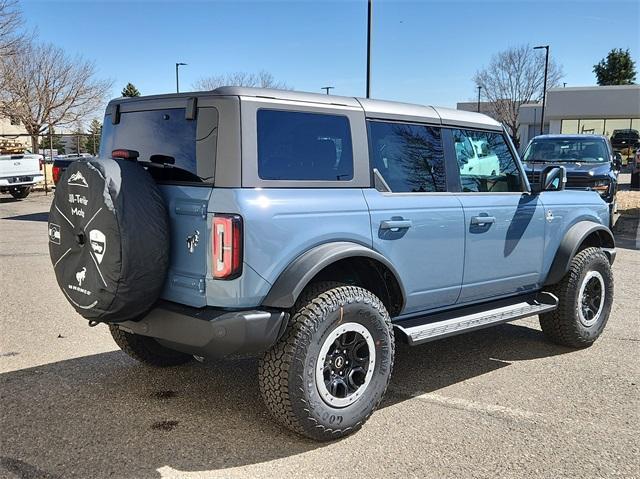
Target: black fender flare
<point x="294" y="278"/>
<point x="572" y="240"/>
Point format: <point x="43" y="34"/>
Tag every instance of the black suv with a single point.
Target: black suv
<point x="589" y="160"/>
<point x="623" y="139"/>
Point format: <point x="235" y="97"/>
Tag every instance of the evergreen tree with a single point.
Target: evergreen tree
<point x="617" y="69"/>
<point x="92" y="142"/>
<point x="44" y="142"/>
<point x="130" y="90"/>
<point x="75" y="141"/>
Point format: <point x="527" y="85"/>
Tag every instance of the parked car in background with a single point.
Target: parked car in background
<point x="19" y="173"/>
<point x="625" y="141"/>
<point x="589" y="160"/>
<point x="61" y="162"/>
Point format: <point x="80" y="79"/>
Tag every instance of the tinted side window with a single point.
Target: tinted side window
<point x="409" y="157"/>
<point x="485" y="162"/>
<point x="304" y="146"/>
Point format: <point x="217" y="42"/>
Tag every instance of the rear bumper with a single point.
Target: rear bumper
<point x="8" y="182"/>
<point x="210" y="332"/>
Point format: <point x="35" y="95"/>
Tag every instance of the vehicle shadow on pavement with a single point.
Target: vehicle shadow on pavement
<point x="436" y="365"/>
<point x="44" y="216"/>
<point x="106" y="416"/>
<point x="627" y="230"/>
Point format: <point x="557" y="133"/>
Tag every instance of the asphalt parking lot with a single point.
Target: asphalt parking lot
<point x="500" y="402"/>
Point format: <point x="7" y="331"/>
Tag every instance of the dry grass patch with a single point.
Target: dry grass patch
<point x="628" y="202"/>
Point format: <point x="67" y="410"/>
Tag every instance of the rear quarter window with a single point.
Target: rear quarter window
<point x="304" y="146"/>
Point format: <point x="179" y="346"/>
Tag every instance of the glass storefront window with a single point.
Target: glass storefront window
<point x="624" y="133"/>
<point x="613" y="124"/>
<point x="592" y="127"/>
<point x="569" y="127"/>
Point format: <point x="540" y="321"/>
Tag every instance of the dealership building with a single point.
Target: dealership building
<point x="593" y="110"/>
<point x="597" y="110"/>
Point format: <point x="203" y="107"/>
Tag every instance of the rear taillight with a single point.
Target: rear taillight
<point x="40" y="163"/>
<point x="226" y="238"/>
<point x="55" y="172"/>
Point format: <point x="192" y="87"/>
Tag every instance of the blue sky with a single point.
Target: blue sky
<point x="423" y="51"/>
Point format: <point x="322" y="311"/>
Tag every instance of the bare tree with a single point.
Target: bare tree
<point x="262" y="79"/>
<point x="11" y="36"/>
<point x="42" y="86"/>
<point x="513" y="77"/>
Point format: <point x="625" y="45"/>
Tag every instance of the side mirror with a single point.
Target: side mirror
<point x="553" y="178"/>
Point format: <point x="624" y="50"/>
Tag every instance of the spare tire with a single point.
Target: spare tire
<point x="109" y="239"/>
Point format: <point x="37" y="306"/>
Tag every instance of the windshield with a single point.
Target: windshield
<point x="153" y="132"/>
<point x="584" y="150"/>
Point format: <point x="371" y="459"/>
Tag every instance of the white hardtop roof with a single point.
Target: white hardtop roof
<point x="380" y="109"/>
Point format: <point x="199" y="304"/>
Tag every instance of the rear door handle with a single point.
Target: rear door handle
<point x="395" y="224"/>
<point x="482" y="220"/>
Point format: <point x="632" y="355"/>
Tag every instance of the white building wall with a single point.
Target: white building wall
<point x="555" y="127"/>
<point x="6" y="128"/>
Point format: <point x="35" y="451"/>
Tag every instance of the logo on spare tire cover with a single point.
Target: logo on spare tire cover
<point x="98" y="244"/>
<point x="54" y="233"/>
<point x="78" y="180"/>
<point x="81" y="275"/>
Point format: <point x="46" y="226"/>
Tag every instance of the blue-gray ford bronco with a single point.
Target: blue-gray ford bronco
<point x="314" y="231"/>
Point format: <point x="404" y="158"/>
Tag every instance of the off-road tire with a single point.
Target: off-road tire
<point x="147" y="350"/>
<point x="20" y="192"/>
<point x="287" y="371"/>
<point x="563" y="325"/>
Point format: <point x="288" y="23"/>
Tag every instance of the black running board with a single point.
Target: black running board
<point x="440" y="325"/>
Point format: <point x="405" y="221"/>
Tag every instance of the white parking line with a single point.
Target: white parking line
<point x="466" y="405"/>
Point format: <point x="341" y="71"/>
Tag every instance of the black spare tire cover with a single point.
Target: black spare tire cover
<point x="109" y="239"/>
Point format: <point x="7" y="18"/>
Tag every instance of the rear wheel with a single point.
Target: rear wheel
<point x="329" y="372"/>
<point x="585" y="297"/>
<point x="20" y="192"/>
<point x="147" y="350"/>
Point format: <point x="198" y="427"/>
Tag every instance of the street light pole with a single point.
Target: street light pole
<point x="327" y="88"/>
<point x="369" y="20"/>
<point x="544" y="88"/>
<point x="177" y="79"/>
<point x="479" y="88"/>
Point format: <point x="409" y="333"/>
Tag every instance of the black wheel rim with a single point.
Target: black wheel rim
<point x="591" y="298"/>
<point x="345" y="365"/>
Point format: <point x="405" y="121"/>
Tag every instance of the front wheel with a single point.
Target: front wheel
<point x="585" y="297"/>
<point x="329" y="372"/>
<point x="20" y="192"/>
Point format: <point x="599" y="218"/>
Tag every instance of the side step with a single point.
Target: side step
<point x="440" y="325"/>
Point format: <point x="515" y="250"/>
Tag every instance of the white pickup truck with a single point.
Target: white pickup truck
<point x="19" y="173"/>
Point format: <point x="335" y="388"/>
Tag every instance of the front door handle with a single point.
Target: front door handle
<point x="482" y="220"/>
<point x="395" y="224"/>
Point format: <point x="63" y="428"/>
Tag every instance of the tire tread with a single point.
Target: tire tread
<point x="559" y="325"/>
<point x="274" y="368"/>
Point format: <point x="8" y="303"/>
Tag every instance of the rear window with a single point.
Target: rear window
<point x="304" y="146"/>
<point x="153" y="132"/>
